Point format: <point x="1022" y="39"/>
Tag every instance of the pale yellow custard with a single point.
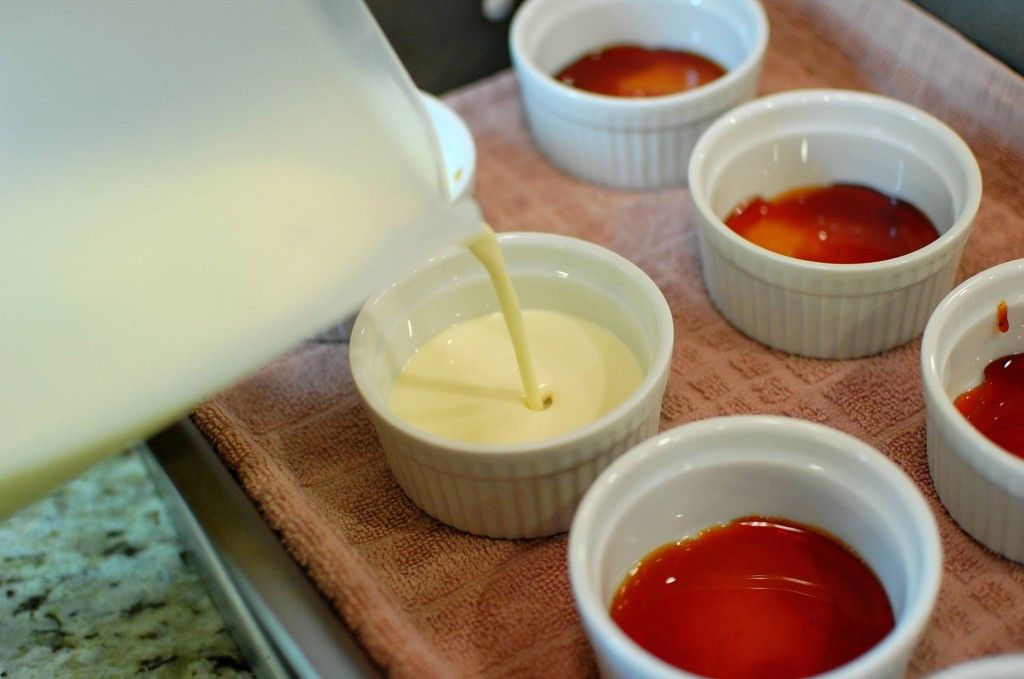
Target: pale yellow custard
<point x="465" y="384"/>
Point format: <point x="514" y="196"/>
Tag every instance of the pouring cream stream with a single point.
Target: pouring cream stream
<point x="462" y="384"/>
<point x="486" y="249"/>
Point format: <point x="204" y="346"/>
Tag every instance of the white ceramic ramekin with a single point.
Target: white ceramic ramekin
<point x="709" y="472"/>
<point x="1005" y="666"/>
<point x="631" y="143"/>
<point x="980" y="484"/>
<point x="819" y="137"/>
<point x="522" y="490"/>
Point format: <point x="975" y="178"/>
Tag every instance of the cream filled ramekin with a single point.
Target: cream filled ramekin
<point x="517" y="490"/>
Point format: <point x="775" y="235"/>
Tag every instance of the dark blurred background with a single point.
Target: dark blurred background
<point x="448" y="43"/>
<point x="444" y="43"/>
<point x="997" y="26"/>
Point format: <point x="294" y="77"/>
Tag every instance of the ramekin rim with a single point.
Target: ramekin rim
<point x="891" y="647"/>
<point x="931" y="252"/>
<point x="971" y="668"/>
<point x="657" y="372"/>
<point x="982" y="454"/>
<point x="613" y="104"/>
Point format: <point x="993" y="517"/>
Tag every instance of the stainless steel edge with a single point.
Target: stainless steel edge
<point x="281" y="621"/>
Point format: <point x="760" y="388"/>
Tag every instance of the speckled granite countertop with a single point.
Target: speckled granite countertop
<point x="94" y="582"/>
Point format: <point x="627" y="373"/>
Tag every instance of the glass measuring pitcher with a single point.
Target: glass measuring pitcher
<point x="187" y="189"/>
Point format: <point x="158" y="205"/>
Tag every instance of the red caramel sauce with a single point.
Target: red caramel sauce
<point x="632" y="71"/>
<point x="996" y="406"/>
<point x="755" y="599"/>
<point x="837" y="224"/>
<point x="1002" y="322"/>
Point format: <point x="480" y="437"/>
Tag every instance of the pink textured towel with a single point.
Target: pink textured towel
<point x="429" y="601"/>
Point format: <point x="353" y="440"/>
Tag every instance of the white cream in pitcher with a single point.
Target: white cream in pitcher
<point x="514" y="376"/>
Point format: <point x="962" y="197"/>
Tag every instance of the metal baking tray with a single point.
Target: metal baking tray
<point x="279" y="618"/>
